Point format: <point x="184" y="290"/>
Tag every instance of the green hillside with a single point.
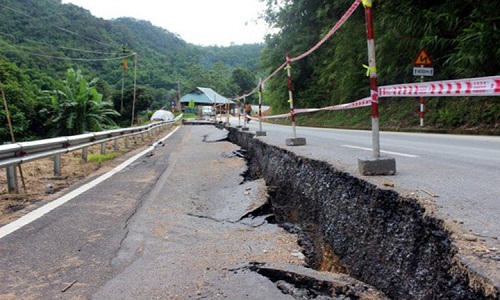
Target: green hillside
<point x="462" y="37"/>
<point x="41" y="39"/>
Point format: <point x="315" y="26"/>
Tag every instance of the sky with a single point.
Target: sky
<point x="200" y="22"/>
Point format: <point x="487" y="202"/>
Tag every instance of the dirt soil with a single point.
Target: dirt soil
<point x="39" y="174"/>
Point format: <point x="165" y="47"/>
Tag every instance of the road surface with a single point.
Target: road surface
<point x="460" y="173"/>
<point x="172" y="224"/>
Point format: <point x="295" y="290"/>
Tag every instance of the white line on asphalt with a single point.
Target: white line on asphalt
<point x="32" y="216"/>
<point x="388" y="152"/>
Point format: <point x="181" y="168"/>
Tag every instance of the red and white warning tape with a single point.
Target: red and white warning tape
<point x="331" y="32"/>
<point x="485" y="86"/>
<point x="360" y="103"/>
<point x="342" y="20"/>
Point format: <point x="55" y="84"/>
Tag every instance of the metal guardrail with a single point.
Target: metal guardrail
<point x="12" y="155"/>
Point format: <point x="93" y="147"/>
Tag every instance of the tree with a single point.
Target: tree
<point x="20" y="97"/>
<point x="462" y="37"/>
<point x="77" y="107"/>
<point x="244" y="80"/>
<point x="144" y="99"/>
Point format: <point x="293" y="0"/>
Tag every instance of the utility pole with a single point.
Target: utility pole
<point x="178" y="96"/>
<point x="135" y="90"/>
<point x="11" y="171"/>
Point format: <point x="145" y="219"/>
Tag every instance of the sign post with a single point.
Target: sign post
<point x="423" y="67"/>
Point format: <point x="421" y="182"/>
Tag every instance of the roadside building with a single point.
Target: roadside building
<point x="201" y="96"/>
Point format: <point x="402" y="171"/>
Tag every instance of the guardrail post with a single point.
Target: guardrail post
<point x="142" y="136"/>
<point x="116" y="147"/>
<point x="103" y="148"/>
<point x="135" y="138"/>
<point x="12" y="179"/>
<point x="85" y="153"/>
<point x="57" y="165"/>
<point x="126" y="142"/>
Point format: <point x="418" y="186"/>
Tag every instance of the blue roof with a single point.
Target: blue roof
<point x="202" y="95"/>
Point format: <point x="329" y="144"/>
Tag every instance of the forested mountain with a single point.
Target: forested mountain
<point x="41" y="39"/>
<point x="462" y="37"/>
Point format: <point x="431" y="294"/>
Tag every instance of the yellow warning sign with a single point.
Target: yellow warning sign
<point x="423" y="59"/>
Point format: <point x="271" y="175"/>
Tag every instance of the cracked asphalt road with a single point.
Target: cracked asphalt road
<point x="167" y="227"/>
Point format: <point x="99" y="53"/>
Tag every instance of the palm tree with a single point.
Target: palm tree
<point x="78" y="107"/>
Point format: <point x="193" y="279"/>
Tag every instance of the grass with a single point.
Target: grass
<point x="100" y="158"/>
<point x="189" y="116"/>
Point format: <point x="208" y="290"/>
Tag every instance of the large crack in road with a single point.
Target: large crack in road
<point x="208" y="229"/>
<point x="348" y="225"/>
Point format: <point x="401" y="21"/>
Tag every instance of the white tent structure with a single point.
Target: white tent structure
<point x="162" y="115"/>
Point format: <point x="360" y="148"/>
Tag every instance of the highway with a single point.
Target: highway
<point x="459" y="173"/>
<point x="168" y="225"/>
<point x="158" y="229"/>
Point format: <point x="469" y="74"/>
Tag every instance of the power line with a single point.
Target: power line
<point x="72" y="58"/>
<point x="79" y="35"/>
<point x="63" y="29"/>
<point x="57" y="47"/>
<point x="69" y="48"/>
<point x="123" y="56"/>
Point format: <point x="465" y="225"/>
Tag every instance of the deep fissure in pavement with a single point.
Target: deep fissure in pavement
<point x="265" y="210"/>
<point x="348" y="225"/>
<point x="304" y="287"/>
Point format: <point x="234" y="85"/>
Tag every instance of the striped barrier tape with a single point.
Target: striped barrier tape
<point x="342" y="20"/>
<point x="484" y="86"/>
<point x="360" y="103"/>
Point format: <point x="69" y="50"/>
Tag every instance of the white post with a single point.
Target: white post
<point x="290" y="93"/>
<point x="422" y="105"/>
<point x="372" y="69"/>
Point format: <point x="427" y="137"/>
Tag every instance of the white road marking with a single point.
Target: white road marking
<point x="382" y="151"/>
<point x="32" y="216"/>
